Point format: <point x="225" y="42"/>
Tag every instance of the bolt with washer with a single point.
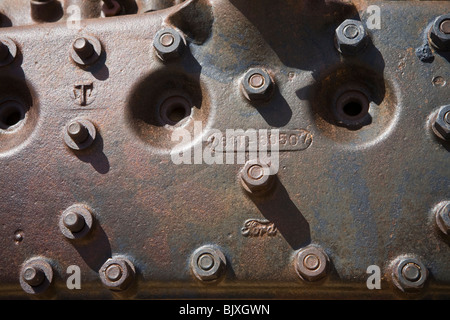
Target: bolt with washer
<point x="117" y="273"/>
<point x="86" y="50"/>
<point x="168" y="44"/>
<point x="311" y="263"/>
<point x="79" y="134"/>
<point x="257" y="85"/>
<point x="208" y="263"/>
<point x="76" y="222"/>
<point x="439" y="34"/>
<point x="441" y="124"/>
<point x="442" y="214"/>
<point x="256" y="177"/>
<point x="36" y="275"/>
<point x="351" y="37"/>
<point x="409" y="274"/>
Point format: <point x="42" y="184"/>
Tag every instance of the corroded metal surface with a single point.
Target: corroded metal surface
<point x="366" y="194"/>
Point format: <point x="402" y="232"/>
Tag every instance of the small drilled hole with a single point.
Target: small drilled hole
<point x="352" y="108"/>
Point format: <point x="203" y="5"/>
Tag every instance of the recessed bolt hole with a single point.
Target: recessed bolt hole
<point x="352" y="108"/>
<point x="174" y="110"/>
<point x="11" y="113"/>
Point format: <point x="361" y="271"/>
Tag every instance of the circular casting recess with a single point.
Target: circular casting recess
<point x="354" y="105"/>
<point x="164" y="101"/>
<point x="18" y="113"/>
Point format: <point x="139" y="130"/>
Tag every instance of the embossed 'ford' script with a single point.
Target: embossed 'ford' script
<point x="258" y="228"/>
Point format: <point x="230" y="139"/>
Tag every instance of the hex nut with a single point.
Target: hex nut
<point x="8" y="51"/>
<point x="75" y="130"/>
<point x="311" y="263"/>
<point x="45" y="10"/>
<point x="168" y="44"/>
<point x="351" y="37"/>
<point x="111" y="8"/>
<point x="438" y="38"/>
<point x="256" y="177"/>
<point x="442" y="214"/>
<point x="257" y="85"/>
<point x="441" y="124"/>
<point x="85" y="50"/>
<point x="208" y="263"/>
<point x="117" y="273"/>
<point x="76" y="222"/>
<point x="408" y="274"/>
<point x="36" y="275"/>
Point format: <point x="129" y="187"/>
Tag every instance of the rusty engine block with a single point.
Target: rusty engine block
<point x="224" y="149"/>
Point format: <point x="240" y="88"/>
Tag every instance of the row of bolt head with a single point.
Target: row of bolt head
<point x="208" y="264"/>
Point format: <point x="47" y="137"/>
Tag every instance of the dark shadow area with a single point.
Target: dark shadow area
<point x="277" y="207"/>
<point x="129" y="6"/>
<point x="276" y="112"/>
<point x="5" y="22"/>
<point x="310" y="26"/>
<point x="99" y="69"/>
<point x="195" y="20"/>
<point x="444" y="54"/>
<point x="95" y="249"/>
<point x="95" y="156"/>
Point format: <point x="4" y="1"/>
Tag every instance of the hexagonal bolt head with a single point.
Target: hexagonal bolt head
<point x="257" y="85"/>
<point x="117" y="273"/>
<point x="441" y="124"/>
<point x="409" y="274"/>
<point x="168" y="44"/>
<point x="442" y="214"/>
<point x="208" y="263"/>
<point x="351" y="37"/>
<point x="76" y="222"/>
<point x="440" y="33"/>
<point x="311" y="263"/>
<point x="45" y="10"/>
<point x="256" y="177"/>
<point x="111" y="8"/>
<point x="36" y="276"/>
